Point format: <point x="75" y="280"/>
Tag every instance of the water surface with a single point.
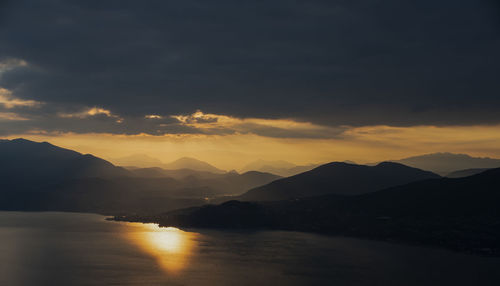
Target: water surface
<point x="84" y="249"/>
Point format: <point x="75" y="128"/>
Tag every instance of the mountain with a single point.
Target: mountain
<point x="337" y="178"/>
<point x="138" y="160"/>
<point x="228" y="184"/>
<point x="192" y="164"/>
<point x="236" y="184"/>
<point x="157" y="172"/>
<point x="465" y="173"/>
<point x="445" y="163"/>
<point x="253" y="176"/>
<point x="460" y="213"/>
<point x="27" y="160"/>
<point x="41" y="176"/>
<point x="148" y="166"/>
<point x="279" y="167"/>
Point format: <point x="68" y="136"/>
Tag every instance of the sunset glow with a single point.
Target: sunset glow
<point x="360" y="144"/>
<point x="171" y="247"/>
<point x="250" y="143"/>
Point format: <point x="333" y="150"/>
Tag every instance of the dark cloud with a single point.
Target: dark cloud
<point x="100" y="123"/>
<point x="329" y="62"/>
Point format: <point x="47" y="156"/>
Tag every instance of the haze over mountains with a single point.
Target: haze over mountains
<point x="41" y="176"/>
<point x="157" y="172"/>
<point x="445" y="163"/>
<point x="193" y="164"/>
<point x="145" y="161"/>
<point x="137" y="160"/>
<point x="389" y="200"/>
<point x="278" y="167"/>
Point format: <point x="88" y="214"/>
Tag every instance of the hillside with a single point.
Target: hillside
<point x="337" y="178"/>
<point x="41" y="176"/>
<point x="279" y="167"/>
<point x="27" y="160"/>
<point x="461" y="214"/>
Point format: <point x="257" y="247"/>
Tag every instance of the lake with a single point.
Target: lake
<point x="84" y="249"/>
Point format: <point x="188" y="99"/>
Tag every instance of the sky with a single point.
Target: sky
<point x="230" y="82"/>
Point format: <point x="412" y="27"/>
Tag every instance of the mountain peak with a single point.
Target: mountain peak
<point x="21" y="140"/>
<point x="188" y="159"/>
<point x="193" y="164"/>
<point x="389" y="164"/>
<point x="44" y="161"/>
<point x="27" y="142"/>
<point x="277" y="167"/>
<point x="339" y="178"/>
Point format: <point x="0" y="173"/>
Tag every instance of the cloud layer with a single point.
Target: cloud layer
<point x="130" y="67"/>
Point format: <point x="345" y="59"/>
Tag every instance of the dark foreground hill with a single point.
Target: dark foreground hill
<point x="338" y="178"/>
<point x="461" y="213"/>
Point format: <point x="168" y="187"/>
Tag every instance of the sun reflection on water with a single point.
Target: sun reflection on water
<point x="171" y="247"/>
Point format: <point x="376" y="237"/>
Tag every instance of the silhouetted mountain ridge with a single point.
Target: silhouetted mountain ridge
<point x="28" y="160"/>
<point x="445" y="162"/>
<point x="278" y="167"/>
<point x="41" y="176"/>
<point x="460" y="213"/>
<point x="338" y="178"/>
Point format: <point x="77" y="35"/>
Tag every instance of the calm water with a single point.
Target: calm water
<point x="84" y="249"/>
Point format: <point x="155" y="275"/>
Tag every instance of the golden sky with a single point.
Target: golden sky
<point x="232" y="151"/>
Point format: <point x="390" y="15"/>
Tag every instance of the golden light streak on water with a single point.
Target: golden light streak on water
<point x="171" y="247"/>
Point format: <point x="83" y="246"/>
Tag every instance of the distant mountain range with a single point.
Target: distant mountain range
<point x="141" y="161"/>
<point x="41" y="176"/>
<point x="193" y="164"/>
<point x="386" y="201"/>
<point x="138" y="160"/>
<point x="445" y="163"/>
<point x="461" y="213"/>
<point x="258" y="164"/>
<point x="279" y="167"/>
<point x="157" y="172"/>
<point x="337" y="178"/>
